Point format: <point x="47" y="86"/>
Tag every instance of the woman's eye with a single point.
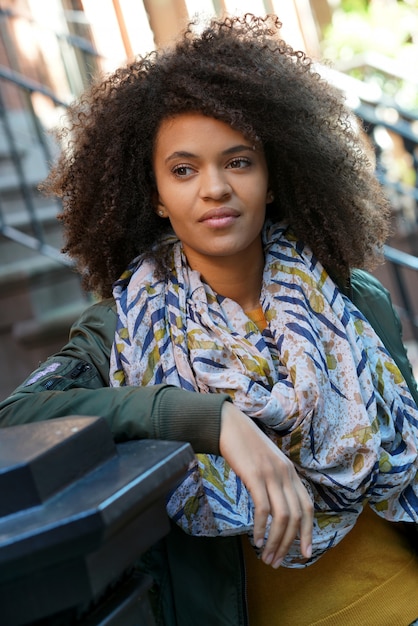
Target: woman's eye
<point x="239" y="162"/>
<point x="182" y="170"/>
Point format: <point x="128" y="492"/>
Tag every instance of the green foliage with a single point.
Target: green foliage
<point x="354" y="6"/>
<point x="386" y="28"/>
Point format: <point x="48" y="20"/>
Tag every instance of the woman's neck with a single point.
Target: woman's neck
<point x="237" y="279"/>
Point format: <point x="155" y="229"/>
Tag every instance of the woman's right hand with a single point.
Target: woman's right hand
<point x="273" y="482"/>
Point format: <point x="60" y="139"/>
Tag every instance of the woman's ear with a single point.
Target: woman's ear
<point x="158" y="206"/>
<point x="269" y="196"/>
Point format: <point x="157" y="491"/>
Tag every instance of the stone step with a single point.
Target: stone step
<point x="39" y="297"/>
<point x="29" y="292"/>
<point x="12" y="201"/>
<point x="39" y="301"/>
<point x="20" y="269"/>
<point x="45" y="214"/>
<point x="34" y="166"/>
<point x="11" y="250"/>
<point x="53" y="324"/>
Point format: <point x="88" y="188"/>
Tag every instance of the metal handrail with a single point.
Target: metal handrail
<point x="369" y="104"/>
<point x="398" y="260"/>
<point x="74" y="40"/>
<point x="402" y="259"/>
<point x="29" y="87"/>
<point x="37" y="240"/>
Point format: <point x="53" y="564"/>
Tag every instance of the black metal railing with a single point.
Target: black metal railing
<point x="399" y="262"/>
<point x="29" y="230"/>
<point x="385" y="121"/>
<point x="404" y="126"/>
<point x="36" y="240"/>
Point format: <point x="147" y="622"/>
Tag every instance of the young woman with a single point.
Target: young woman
<point x="218" y="198"/>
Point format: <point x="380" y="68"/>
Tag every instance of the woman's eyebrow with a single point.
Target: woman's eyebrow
<point x="240" y="148"/>
<point x="183" y="154"/>
<point x="180" y="154"/>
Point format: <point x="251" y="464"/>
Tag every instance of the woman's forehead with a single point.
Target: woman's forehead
<point x="194" y="130"/>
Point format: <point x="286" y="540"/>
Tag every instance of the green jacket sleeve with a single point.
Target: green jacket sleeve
<point x="74" y="381"/>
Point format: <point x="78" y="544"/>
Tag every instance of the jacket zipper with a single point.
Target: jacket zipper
<point x="79" y="369"/>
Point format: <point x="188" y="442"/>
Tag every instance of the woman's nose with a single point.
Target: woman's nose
<point x="214" y="184"/>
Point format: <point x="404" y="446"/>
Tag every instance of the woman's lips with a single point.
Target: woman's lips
<point x="220" y="217"/>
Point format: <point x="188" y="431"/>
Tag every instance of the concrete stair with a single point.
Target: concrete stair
<point x="40" y="297"/>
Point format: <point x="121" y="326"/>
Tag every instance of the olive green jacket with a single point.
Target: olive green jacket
<point x="197" y="580"/>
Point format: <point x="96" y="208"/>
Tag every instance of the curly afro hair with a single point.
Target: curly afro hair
<point x="240" y="71"/>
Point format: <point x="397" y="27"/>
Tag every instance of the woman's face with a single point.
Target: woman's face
<point x="212" y="184"/>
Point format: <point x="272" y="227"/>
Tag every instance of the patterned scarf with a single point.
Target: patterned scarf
<point x="317" y="379"/>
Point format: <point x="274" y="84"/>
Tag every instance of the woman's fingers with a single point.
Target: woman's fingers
<point x="262" y="511"/>
<point x="285" y="525"/>
<point x="292" y="515"/>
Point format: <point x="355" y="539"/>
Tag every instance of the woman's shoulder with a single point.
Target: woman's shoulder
<point x="98" y="319"/>
<point x="101" y="309"/>
<point x="367" y="283"/>
<point x="375" y="302"/>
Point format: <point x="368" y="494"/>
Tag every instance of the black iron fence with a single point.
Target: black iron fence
<point x="400" y="261"/>
<point x="393" y="132"/>
<point x="26" y="146"/>
<point x="35" y="238"/>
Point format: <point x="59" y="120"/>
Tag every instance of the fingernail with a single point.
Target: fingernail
<point x="309" y="551"/>
<point x="268" y="559"/>
<point x="277" y="563"/>
<point x="259" y="543"/>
